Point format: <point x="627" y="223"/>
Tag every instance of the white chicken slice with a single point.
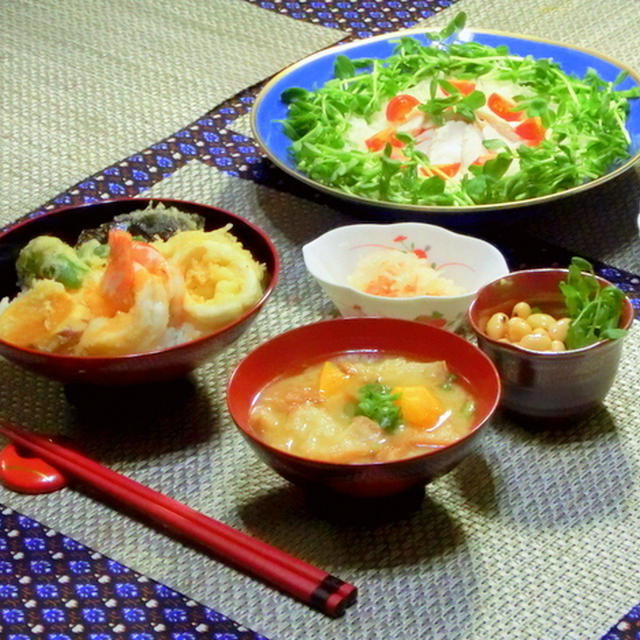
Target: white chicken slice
<point x="424" y="140"/>
<point x="413" y="123"/>
<point x="472" y="147"/>
<point x="504" y="128"/>
<point x="489" y="133"/>
<point x="446" y="147"/>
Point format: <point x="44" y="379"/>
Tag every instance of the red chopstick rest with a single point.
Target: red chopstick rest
<point x="27" y="474"/>
<point x="287" y="573"/>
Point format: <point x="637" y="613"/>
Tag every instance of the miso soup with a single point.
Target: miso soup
<point x="359" y="408"/>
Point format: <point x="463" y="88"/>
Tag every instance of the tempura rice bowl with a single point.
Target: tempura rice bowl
<point x="174" y="358"/>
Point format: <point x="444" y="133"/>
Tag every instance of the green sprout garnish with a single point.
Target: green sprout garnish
<point x="594" y="310"/>
<point x="447" y="385"/>
<point x="375" y="401"/>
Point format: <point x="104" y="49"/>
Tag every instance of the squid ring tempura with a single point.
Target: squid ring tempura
<point x="128" y="295"/>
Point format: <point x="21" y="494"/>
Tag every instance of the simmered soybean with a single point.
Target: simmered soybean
<point x="530" y="330"/>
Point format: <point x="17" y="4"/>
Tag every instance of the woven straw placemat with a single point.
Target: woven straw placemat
<point x="530" y="538"/>
<point x="527" y="538"/>
<point x="87" y="84"/>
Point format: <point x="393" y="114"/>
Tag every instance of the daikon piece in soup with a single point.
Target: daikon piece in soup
<point x="362" y="407"/>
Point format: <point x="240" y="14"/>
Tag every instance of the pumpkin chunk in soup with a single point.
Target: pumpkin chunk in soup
<point x="360" y="408"/>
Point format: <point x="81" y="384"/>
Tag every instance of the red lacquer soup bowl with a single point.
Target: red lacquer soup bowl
<point x="291" y="351"/>
<point x="162" y="364"/>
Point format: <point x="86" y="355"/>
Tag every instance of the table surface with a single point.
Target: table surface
<point x="533" y="536"/>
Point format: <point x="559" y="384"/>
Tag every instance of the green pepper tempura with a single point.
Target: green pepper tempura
<point x="50" y="257"/>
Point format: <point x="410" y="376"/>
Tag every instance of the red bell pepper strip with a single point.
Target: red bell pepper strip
<point x="443" y="171"/>
<point x="378" y="140"/>
<point x="531" y="131"/>
<point x="504" y="108"/>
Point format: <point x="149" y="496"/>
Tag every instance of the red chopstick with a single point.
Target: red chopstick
<point x="291" y="575"/>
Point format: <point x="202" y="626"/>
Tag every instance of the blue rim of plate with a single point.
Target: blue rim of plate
<point x="314" y="70"/>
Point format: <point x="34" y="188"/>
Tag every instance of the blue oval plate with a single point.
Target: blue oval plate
<point x="313" y="71"/>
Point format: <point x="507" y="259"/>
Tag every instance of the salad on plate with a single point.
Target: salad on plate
<point x="456" y="124"/>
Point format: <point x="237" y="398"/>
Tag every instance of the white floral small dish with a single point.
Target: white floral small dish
<point x="468" y="262"/>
